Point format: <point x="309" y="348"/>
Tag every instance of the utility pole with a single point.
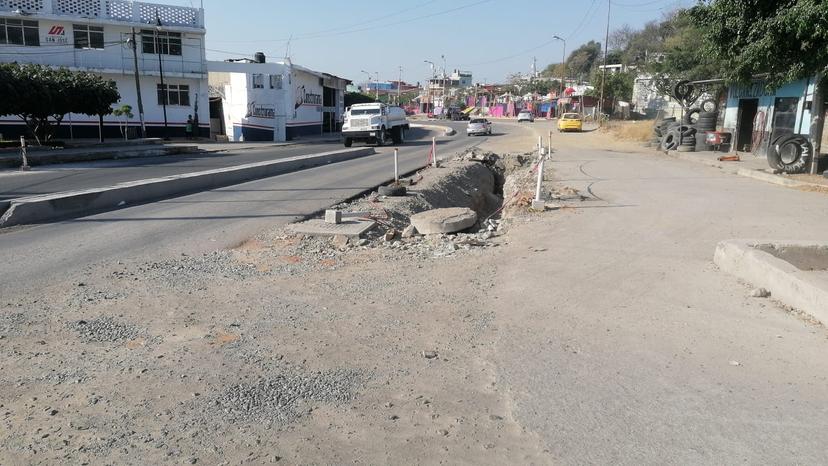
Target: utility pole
<point x="138" y="85"/>
<point x="604" y="68"/>
<point x="164" y="90"/>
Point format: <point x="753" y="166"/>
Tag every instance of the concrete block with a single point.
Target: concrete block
<point x="333" y="216"/>
<point x="806" y="290"/>
<point x="449" y="220"/>
<point x="539" y="205"/>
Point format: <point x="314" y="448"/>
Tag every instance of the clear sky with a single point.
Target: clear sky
<point x="490" y="38"/>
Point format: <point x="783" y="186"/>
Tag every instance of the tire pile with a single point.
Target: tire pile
<point x="690" y="134"/>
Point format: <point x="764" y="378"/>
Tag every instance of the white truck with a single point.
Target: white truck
<point x="374" y="123"/>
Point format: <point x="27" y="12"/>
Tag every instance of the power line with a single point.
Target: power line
<point x="409" y="20"/>
<point x="327" y="31"/>
<point x="587" y="15"/>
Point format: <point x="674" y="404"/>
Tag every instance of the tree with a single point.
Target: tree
<point x="124" y="112"/>
<point x="784" y="40"/>
<point x="582" y="60"/>
<point x="40" y="95"/>
<point x="618" y="86"/>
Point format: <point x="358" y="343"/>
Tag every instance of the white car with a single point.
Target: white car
<point x="526" y="115"/>
<point x="479" y="126"/>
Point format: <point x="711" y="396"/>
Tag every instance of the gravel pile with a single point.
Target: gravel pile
<point x="105" y="330"/>
<point x="279" y="399"/>
<point x="190" y="270"/>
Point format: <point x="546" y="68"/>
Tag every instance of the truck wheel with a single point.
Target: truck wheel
<point x="381" y="137"/>
<point x="348" y="142"/>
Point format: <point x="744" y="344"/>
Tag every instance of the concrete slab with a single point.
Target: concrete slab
<point x="765" y="264"/>
<point x="350" y="227"/>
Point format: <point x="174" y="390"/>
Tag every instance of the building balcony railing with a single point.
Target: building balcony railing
<point x="111" y="10"/>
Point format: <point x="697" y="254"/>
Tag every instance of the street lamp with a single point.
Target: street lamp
<point x="164" y="91"/>
<point x="444" y="80"/>
<point x="376" y="73"/>
<point x="563" y="78"/>
<point x="428" y="85"/>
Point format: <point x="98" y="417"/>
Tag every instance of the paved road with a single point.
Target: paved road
<point x="632" y="347"/>
<point x="201" y="222"/>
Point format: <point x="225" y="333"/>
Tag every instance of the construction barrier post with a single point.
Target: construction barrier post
<point x="434" y="152"/>
<point x="396" y="165"/>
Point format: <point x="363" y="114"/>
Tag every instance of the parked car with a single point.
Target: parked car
<point x="479" y="126"/>
<point x="525" y="115"/>
<point x="570" y="122"/>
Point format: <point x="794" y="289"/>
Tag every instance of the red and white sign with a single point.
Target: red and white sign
<point x="56" y="35"/>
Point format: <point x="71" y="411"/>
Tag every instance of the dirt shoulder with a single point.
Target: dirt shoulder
<point x="283" y="349"/>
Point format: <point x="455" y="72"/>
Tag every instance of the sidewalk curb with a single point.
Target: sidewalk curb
<point x="35" y="158"/>
<point x="50" y="207"/>
<point x="787" y="284"/>
<point x="756" y="174"/>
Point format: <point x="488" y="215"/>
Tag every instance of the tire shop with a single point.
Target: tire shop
<point x="772" y="123"/>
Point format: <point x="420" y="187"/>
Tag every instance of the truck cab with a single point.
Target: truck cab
<point x="374" y="123"/>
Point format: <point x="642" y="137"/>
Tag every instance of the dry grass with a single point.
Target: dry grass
<point x="631" y="130"/>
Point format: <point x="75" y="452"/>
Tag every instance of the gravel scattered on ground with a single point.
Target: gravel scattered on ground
<point x="279" y="399"/>
<point x="105" y="330"/>
<point x="189" y="271"/>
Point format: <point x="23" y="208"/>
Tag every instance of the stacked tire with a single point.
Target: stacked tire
<point x="660" y="130"/>
<point x="672" y="136"/>
<point x="687" y="136"/>
<point x="705" y="121"/>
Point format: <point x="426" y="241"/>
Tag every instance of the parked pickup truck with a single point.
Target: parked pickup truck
<point x="374" y="123"/>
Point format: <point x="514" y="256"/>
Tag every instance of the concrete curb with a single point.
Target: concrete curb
<point x="786" y="283"/>
<point x="447" y="130"/>
<point x="40" y="209"/>
<point x="35" y="158"/>
<point x="756" y="174"/>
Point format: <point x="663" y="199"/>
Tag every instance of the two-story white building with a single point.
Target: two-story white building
<point x="97" y="36"/>
<point x="279" y="101"/>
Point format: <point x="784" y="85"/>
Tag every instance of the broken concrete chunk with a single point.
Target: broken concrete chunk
<point x="449" y="220"/>
<point x="410" y="231"/>
<point x="340" y="241"/>
<point x="391" y="234"/>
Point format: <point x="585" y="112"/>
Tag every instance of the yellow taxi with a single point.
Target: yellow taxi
<point x="570" y="122"/>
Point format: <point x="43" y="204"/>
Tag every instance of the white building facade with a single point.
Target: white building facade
<point x="96" y="36"/>
<point x="273" y="101"/>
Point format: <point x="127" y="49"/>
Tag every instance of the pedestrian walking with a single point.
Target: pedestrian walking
<point x="188" y="130"/>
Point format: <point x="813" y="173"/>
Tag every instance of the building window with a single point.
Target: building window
<point x="168" y="43"/>
<point x="177" y="94"/>
<point x="258" y="81"/>
<point x="275" y="81"/>
<point x="88" y="37"/>
<point x="19" y="32"/>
